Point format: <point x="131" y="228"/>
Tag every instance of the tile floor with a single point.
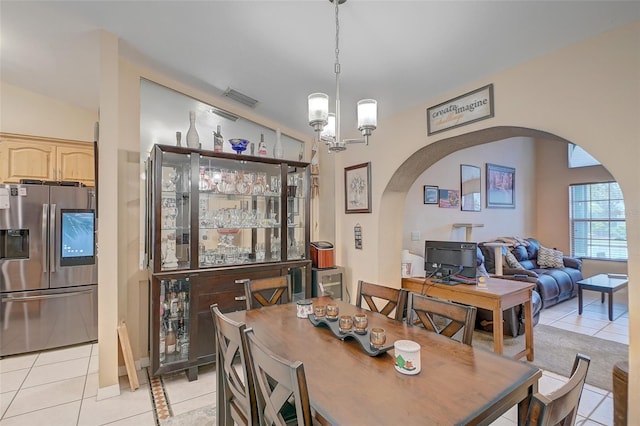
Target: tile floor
<point x="58" y="387"/>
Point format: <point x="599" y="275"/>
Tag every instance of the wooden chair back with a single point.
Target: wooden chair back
<point x="267" y="291"/>
<point x="278" y="380"/>
<point x="560" y="407"/>
<point x="396" y="299"/>
<point x="441" y="316"/>
<point x="236" y="401"/>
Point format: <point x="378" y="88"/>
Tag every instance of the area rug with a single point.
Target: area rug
<point x="205" y="416"/>
<point x="555" y="350"/>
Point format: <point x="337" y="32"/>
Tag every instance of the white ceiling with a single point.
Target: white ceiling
<point x="398" y="52"/>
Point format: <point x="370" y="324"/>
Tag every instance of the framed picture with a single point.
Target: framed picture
<point x="430" y="194"/>
<point x="357" y="188"/>
<point x="501" y="187"/>
<point x="470" y="188"/>
<point x="449" y="198"/>
<point x="459" y="111"/>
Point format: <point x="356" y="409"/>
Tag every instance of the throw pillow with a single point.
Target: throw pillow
<point x="512" y="261"/>
<point x="550" y="258"/>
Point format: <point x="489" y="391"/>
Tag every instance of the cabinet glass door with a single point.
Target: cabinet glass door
<point x="297" y="216"/>
<point x="175" y="211"/>
<point x="175" y="296"/>
<point x="239" y="212"/>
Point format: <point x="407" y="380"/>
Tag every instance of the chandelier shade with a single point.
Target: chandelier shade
<point x="326" y="124"/>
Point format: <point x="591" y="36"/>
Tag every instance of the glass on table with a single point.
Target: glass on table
<point x="346" y="323"/>
<point x="378" y="337"/>
<point x="360" y="323"/>
<point x="332" y="311"/>
<point x="319" y="311"/>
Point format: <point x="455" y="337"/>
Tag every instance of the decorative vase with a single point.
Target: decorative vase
<point x="193" y="140"/>
<point x="278" y="150"/>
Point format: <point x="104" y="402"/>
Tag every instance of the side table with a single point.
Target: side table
<point x="604" y="283"/>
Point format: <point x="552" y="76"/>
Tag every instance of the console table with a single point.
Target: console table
<point x="498" y="295"/>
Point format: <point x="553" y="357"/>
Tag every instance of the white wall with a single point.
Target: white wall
<point x="434" y="223"/>
<point x="28" y="113"/>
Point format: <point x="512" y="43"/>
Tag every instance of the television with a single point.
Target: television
<point x="451" y="259"/>
<point x="77" y="242"/>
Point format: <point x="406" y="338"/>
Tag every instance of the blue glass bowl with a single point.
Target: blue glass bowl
<point x="239" y="145"/>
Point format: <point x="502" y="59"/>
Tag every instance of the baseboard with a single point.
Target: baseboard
<point x="108" y="392"/>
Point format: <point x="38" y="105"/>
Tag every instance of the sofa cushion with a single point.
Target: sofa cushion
<point x="550" y="258"/>
<point x="520" y="253"/>
<point x="512" y="261"/>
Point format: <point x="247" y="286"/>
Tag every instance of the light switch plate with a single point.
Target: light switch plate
<point x="415" y="235"/>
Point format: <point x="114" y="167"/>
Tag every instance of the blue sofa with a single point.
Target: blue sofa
<point x="554" y="285"/>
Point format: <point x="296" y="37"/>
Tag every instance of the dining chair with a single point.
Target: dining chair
<point x="560" y="407"/>
<point x="236" y="397"/>
<point x="395" y="299"/>
<point x="279" y="383"/>
<point x="267" y="291"/>
<point x="441" y="316"/>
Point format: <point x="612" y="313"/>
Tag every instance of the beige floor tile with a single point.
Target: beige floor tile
<point x="60" y="415"/>
<point x="17" y="362"/>
<point x="503" y="421"/>
<point x="616" y="327"/>
<point x="91" y="386"/>
<point x="588" y="401"/>
<point x="194" y="403"/>
<point x="597" y="390"/>
<point x="65" y="354"/>
<point x="12" y="380"/>
<point x="584" y="321"/>
<point x="549" y="383"/>
<point x="615" y="337"/>
<point x="179" y="389"/>
<point x="46" y="396"/>
<point x="604" y="412"/>
<point x="5" y="400"/>
<point x="120" y="407"/>
<point x="95" y="349"/>
<point x="49" y="373"/>
<point x="576" y="328"/>
<point x="144" y="419"/>
<point x="94" y="364"/>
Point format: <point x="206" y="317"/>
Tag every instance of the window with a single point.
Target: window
<point x="598" y="227"/>
<point x="578" y="157"/>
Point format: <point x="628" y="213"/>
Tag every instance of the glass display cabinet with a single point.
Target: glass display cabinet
<point x="215" y="220"/>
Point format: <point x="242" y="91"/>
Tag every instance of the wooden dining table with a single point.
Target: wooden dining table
<point x="457" y="385"/>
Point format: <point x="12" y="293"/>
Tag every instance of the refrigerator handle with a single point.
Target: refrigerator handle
<point x="52" y="239"/>
<point x="45" y="209"/>
<point x="44" y="296"/>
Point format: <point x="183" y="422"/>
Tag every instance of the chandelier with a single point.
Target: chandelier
<point x="328" y="124"/>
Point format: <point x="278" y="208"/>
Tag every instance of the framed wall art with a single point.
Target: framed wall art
<point x="357" y="188"/>
<point x="501" y="187"/>
<point x="470" y="188"/>
<point x="449" y="198"/>
<point x="431" y="194"/>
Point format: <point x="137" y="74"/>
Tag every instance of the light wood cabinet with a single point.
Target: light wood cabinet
<point x="33" y="157"/>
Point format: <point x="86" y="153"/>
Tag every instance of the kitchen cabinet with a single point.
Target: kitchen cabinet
<point x="214" y="221"/>
<point x="39" y="158"/>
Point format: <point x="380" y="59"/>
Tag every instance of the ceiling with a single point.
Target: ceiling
<point x="400" y="53"/>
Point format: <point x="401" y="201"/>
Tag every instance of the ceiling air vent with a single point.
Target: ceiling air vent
<point x="240" y="97"/>
<point x="225" y="114"/>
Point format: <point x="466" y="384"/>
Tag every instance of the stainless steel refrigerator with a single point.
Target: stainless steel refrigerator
<point x="48" y="267"/>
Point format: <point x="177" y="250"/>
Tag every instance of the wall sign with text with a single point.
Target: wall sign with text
<point x="465" y="109"/>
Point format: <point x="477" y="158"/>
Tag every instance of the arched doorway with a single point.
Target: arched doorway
<point x="407" y="173"/>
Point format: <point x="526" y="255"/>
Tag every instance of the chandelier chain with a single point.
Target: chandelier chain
<point x="337" y="66"/>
